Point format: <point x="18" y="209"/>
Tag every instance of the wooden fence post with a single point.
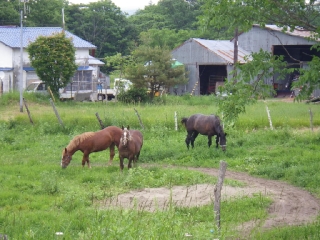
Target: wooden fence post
<point x="217" y="191"/>
<point x="56" y="112"/>
<point x="311" y="119"/>
<point x="101" y="123"/>
<point x="269" y="118"/>
<point x="175" y="121"/>
<point x="29" y="115"/>
<point x="139" y="118"/>
<point x="51" y="94"/>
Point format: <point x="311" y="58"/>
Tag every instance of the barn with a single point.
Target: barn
<point x="294" y="45"/>
<point x="208" y="63"/>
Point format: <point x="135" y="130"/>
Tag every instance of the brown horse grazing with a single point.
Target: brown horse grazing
<point x="130" y="146"/>
<point x="89" y="142"/>
<point x="205" y="125"/>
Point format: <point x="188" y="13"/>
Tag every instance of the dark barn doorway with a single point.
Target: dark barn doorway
<point x="211" y="76"/>
<point x="292" y="55"/>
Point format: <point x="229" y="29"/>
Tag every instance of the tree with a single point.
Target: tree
<point x="170" y="14"/>
<point x="9" y="12"/>
<point x="241" y="15"/>
<point x="103" y="24"/>
<point x="117" y="62"/>
<point x="36" y="13"/>
<point x="152" y="69"/>
<point x="53" y="58"/>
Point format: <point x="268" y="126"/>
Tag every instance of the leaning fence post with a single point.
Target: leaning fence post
<point x="56" y="112"/>
<point x="311" y="119"/>
<point x="29" y="115"/>
<point x="101" y="123"/>
<point x="139" y="118"/>
<point x="217" y="191"/>
<point x="269" y="118"/>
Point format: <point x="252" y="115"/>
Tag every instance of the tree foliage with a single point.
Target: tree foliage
<point x="152" y="69"/>
<point x="9" y="12"/>
<point x="238" y="94"/>
<point x="241" y="15"/>
<point x="103" y="24"/>
<point x="53" y="58"/>
<point x="36" y="13"/>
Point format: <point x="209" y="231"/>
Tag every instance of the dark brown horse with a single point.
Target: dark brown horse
<point x="205" y="125"/>
<point x="130" y="146"/>
<point x="89" y="142"/>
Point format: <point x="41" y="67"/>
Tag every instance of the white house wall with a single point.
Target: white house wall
<point x="16" y="65"/>
<point x="81" y="57"/>
<point x="5" y="62"/>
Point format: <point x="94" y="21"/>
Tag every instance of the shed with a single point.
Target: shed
<point x="294" y="45"/>
<point x="208" y="63"/>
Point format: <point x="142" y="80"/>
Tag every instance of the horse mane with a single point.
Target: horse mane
<point x="79" y="139"/>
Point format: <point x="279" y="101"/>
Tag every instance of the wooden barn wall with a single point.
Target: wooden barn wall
<point x="264" y="39"/>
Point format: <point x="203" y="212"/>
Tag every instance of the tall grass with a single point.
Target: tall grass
<point x="38" y="198"/>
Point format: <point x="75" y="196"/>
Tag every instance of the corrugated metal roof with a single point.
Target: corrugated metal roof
<point x="224" y="49"/>
<point x="298" y="31"/>
<point x="10" y="36"/>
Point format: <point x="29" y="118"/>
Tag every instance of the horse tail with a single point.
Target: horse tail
<point x="184" y="121"/>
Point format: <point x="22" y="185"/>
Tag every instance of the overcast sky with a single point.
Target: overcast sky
<point x="129" y="6"/>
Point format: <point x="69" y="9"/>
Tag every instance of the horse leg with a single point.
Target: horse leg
<point x="112" y="153"/>
<point x="86" y="159"/>
<point x="188" y="138"/>
<point x="121" y="164"/>
<point x="131" y="158"/>
<point x="193" y="138"/>
<point x="136" y="158"/>
<point x="217" y="141"/>
<point x="209" y="140"/>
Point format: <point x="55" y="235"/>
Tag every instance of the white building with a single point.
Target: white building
<point x="88" y="72"/>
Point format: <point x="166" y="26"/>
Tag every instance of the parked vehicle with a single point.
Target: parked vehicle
<point x="110" y="93"/>
<point x="101" y="92"/>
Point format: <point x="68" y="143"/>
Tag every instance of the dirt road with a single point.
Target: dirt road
<point x="291" y="205"/>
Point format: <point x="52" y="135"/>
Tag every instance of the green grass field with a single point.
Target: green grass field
<point x="38" y="198"/>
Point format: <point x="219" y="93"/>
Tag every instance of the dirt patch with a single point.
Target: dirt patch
<point x="291" y="205"/>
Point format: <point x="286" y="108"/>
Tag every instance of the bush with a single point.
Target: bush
<point x="134" y="95"/>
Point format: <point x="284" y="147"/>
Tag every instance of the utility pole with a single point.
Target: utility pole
<point x="235" y="52"/>
<point x="21" y="60"/>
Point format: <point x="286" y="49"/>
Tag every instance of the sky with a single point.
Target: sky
<point x="129" y="6"/>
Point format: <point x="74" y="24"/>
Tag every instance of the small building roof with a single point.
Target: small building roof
<point x="224" y="49"/>
<point x="95" y="61"/>
<point x="11" y="36"/>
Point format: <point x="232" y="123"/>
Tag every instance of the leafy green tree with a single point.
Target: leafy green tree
<point x="117" y="62"/>
<point x="240" y="15"/>
<point x="165" y="37"/>
<point x="103" y="24"/>
<point x="36" y="13"/>
<point x="53" y="58"/>
<point x="152" y="69"/>
<point x="44" y="13"/>
<point x="9" y="12"/>
<point x="170" y="14"/>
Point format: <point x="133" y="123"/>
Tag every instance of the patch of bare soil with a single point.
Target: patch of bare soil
<point x="291" y="205"/>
